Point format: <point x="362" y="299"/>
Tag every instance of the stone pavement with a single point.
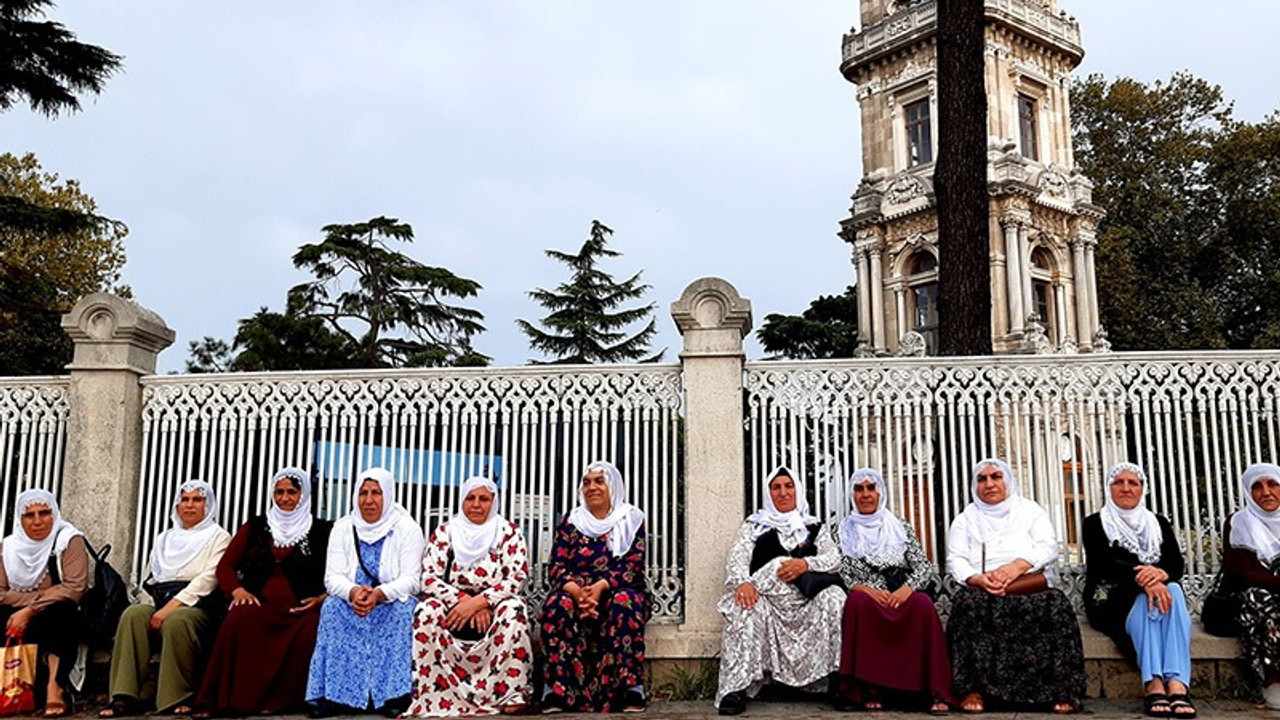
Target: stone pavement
<point x="1094" y="710"/>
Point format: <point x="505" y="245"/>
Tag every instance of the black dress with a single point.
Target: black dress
<point x="1109" y="586"/>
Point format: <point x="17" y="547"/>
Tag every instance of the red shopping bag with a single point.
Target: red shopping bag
<point x="17" y="678"/>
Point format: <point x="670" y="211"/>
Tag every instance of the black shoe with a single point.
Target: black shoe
<point x="552" y="703"/>
<point x="733" y="704"/>
<point x="633" y="702"/>
<point x="395" y="707"/>
<point x="840" y="703"/>
<point x="324" y="709"/>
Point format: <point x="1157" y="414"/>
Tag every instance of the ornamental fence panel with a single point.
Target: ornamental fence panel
<point x="1193" y="420"/>
<point x="33" y="438"/>
<point x="533" y="430"/>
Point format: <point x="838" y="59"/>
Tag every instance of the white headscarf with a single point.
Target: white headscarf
<point x="1252" y="527"/>
<point x="472" y="542"/>
<point x="178" y="546"/>
<point x="1137" y="529"/>
<point x="624" y="519"/>
<point x="26" y="561"/>
<point x="879" y="536"/>
<point x="1003" y="529"/>
<point x="791" y="526"/>
<point x="289" y="528"/>
<point x="392" y="511"/>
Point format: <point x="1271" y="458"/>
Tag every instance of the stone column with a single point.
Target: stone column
<point x="713" y="319"/>
<point x="116" y="342"/>
<point x="877" y="298"/>
<point x="1013" y="275"/>
<point x="1091" y="286"/>
<point x="900" y="304"/>
<point x="864" y="295"/>
<point x="1084" y="335"/>
<point x="1060" y="312"/>
<point x="1024" y="254"/>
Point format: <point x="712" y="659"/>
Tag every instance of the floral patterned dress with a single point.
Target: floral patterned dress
<point x="459" y="677"/>
<point x="591" y="663"/>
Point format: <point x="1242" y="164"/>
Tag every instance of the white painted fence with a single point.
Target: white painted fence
<point x="33" y="437"/>
<point x="1193" y="420"/>
<point x="532" y="429"/>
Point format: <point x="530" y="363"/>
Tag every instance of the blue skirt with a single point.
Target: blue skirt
<point x="362" y="660"/>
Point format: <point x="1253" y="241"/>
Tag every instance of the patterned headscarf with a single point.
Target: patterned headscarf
<point x="288" y="528"/>
<point x="1136" y="529"/>
<point x="878" y="536"/>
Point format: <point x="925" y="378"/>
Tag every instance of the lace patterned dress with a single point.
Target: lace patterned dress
<point x="786" y="638"/>
<point x="472" y="677"/>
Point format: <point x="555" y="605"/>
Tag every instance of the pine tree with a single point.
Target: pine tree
<point x="585" y="324"/>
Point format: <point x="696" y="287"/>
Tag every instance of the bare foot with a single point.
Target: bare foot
<point x="972" y="703"/>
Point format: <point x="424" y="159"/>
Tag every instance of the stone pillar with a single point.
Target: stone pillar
<point x="713" y="319"/>
<point x="877" y="298"/>
<point x="1084" y="335"/>
<point x="900" y="303"/>
<point x="1013" y="274"/>
<point x="1060" y="312"/>
<point x="116" y="342"/>
<point x="864" y="295"/>
<point x="1091" y="284"/>
<point x="1024" y="254"/>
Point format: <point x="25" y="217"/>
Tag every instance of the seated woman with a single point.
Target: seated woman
<point x="1131" y="590"/>
<point x="471" y="647"/>
<point x="592" y="623"/>
<point x="44" y="574"/>
<point x="1014" y="637"/>
<point x="273" y="571"/>
<point x="893" y="639"/>
<point x="181" y="622"/>
<point x="363" y="652"/>
<point x="780" y="615"/>
<point x="1251" y="570"/>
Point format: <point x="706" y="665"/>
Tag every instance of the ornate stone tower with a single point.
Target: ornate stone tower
<point x="1043" y="287"/>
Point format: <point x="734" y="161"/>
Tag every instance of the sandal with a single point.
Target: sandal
<point x="972" y="703"/>
<point x="56" y="710"/>
<point x="121" y="706"/>
<point x="939" y="707"/>
<point x="1067" y="707"/>
<point x="1182" y="702"/>
<point x="1156" y="705"/>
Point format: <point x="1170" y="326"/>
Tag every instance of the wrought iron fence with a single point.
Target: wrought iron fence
<point x="33" y="437"/>
<point x="532" y="429"/>
<point x="1194" y="421"/>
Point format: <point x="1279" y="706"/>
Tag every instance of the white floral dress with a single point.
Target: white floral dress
<point x="456" y="677"/>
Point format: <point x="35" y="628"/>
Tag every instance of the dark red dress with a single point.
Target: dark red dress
<point x="263" y="652"/>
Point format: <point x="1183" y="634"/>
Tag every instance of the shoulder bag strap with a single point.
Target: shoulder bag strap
<point x="355" y="538"/>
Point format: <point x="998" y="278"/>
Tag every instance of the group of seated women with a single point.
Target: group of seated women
<point x="294" y="612"/>
<point x="874" y="638"/>
<point x="364" y="614"/>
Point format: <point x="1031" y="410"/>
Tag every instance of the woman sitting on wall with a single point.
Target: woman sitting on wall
<point x="1013" y="636"/>
<point x="782" y="600"/>
<point x="893" y="639"/>
<point x="183" y="615"/>
<point x="44" y="575"/>
<point x="363" y="655"/>
<point x="471" y="647"/>
<point x="1251" y="571"/>
<point x="1131" y="590"/>
<point x="273" y="572"/>
<point x="592" y="623"/>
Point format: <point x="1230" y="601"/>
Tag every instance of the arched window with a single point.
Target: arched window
<point x="922" y="289"/>
<point x="1043" y="300"/>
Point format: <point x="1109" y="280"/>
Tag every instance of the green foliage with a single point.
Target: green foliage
<point x="43" y="62"/>
<point x="827" y="329"/>
<point x="368" y="307"/>
<point x="683" y="684"/>
<point x="584" y="324"/>
<point x="1185" y="254"/>
<point x="54" y="249"/>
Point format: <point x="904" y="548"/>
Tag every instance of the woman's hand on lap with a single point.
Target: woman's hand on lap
<point x="746" y="595"/>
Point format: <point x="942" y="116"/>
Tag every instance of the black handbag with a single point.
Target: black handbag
<point x="466" y="632"/>
<point x="1220" y="613"/>
<point x="811" y="583"/>
<point x="162" y="592"/>
<point x="104" y="602"/>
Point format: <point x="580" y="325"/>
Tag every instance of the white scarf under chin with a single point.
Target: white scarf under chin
<point x="879" y="537"/>
<point x="392" y="511"/>
<point x="471" y="542"/>
<point x="624" y="519"/>
<point x="792" y="526"/>
<point x="1252" y="527"/>
<point x="177" y="547"/>
<point x="289" y="528"/>
<point x="26" y="561"/>
<point x="1003" y="529"/>
<point x="1136" y="529"/>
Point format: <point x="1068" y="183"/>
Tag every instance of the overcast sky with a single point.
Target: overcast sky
<point x="716" y="137"/>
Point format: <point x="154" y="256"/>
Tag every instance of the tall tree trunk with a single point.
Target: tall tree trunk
<point x="960" y="182"/>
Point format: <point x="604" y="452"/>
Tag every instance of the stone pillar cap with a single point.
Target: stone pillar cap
<point x="112" y="333"/>
<point x="712" y="303"/>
